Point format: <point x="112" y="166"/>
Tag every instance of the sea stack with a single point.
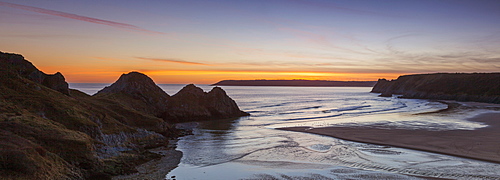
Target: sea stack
<point x="137" y="91"/>
<point x="191" y="103"/>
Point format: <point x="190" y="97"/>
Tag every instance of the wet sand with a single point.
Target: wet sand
<point x="481" y="144"/>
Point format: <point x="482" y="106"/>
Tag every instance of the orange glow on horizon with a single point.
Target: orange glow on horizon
<point x="210" y="77"/>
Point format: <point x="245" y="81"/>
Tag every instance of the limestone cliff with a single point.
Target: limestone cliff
<point x="480" y="87"/>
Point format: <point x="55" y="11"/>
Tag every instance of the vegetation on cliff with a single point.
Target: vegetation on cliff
<point x="480" y="87"/>
<point x="48" y="131"/>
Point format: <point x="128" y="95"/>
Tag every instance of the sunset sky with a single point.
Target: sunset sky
<point x="206" y="41"/>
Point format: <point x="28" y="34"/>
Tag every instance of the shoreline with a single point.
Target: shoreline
<point x="156" y="168"/>
<point x="479" y="144"/>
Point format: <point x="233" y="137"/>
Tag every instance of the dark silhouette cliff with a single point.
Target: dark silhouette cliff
<point x="191" y="103"/>
<point x="137" y="91"/>
<point x="18" y="65"/>
<point x="479" y="87"/>
<point x="300" y="83"/>
<point x="48" y="131"/>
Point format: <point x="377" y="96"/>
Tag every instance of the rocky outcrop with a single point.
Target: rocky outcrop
<point x="138" y="91"/>
<point x="220" y="105"/>
<point x="191" y="103"/>
<point x="18" y="65"/>
<point x="480" y="87"/>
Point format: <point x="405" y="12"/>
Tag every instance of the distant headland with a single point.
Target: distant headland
<point x="302" y="83"/>
<point x="479" y="87"/>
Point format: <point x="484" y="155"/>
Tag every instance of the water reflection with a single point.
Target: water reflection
<point x="249" y="147"/>
<point x="222" y="125"/>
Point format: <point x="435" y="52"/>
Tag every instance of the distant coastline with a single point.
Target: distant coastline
<point x="477" y="87"/>
<point x="299" y="83"/>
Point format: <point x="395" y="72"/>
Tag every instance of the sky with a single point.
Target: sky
<point x="202" y="42"/>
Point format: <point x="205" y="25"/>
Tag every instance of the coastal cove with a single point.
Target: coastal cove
<point x="133" y="128"/>
<point x="250" y="90"/>
<point x="252" y="148"/>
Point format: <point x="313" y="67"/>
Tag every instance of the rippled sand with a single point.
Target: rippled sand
<point x="481" y="144"/>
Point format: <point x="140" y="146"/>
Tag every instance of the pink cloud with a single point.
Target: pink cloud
<point x="78" y="17"/>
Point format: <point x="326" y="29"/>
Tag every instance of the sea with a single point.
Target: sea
<point x="252" y="148"/>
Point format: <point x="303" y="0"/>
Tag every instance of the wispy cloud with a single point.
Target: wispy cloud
<point x="80" y="18"/>
<point x="319" y="39"/>
<point x="390" y="47"/>
<point x="173" y="61"/>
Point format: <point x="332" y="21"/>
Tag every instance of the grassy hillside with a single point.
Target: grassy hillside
<point x="48" y="131"/>
<point x="48" y="134"/>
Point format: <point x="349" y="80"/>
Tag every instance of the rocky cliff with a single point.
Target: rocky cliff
<point x="480" y="87"/>
<point x="192" y="103"/>
<point x="18" y="65"/>
<point x="137" y="91"/>
<point x="48" y="131"/>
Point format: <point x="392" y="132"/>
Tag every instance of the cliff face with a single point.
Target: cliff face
<point x="480" y="87"/>
<point x="48" y="131"/>
<point x="49" y="134"/>
<point x="17" y="64"/>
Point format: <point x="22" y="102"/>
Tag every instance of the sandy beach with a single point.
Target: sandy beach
<point x="481" y="144"/>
